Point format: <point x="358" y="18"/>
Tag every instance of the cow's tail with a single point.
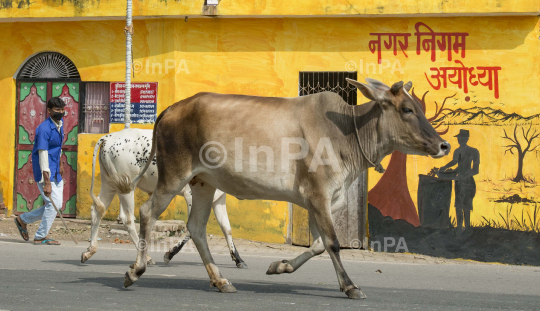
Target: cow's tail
<point x="130" y="185"/>
<point x="99" y="206"/>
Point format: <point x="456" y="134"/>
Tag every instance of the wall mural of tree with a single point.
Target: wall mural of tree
<point x="391" y="194"/>
<point x="521" y="149"/>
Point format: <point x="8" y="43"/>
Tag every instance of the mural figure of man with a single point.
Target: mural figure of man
<point x="47" y="168"/>
<point x="468" y="160"/>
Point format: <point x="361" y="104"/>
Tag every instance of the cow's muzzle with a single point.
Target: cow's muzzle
<point x="444" y="149"/>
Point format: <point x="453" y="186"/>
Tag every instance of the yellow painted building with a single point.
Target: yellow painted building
<point x="260" y="47"/>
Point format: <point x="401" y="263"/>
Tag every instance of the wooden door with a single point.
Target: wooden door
<point x="350" y="222"/>
<point x="69" y="93"/>
<point x="32" y="111"/>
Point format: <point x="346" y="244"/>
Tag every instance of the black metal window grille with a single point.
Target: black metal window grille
<point x="49" y="65"/>
<point x="96" y="108"/>
<point x="312" y="82"/>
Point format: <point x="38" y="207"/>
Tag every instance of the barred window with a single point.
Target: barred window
<point x="96" y="108"/>
<point x="312" y="82"/>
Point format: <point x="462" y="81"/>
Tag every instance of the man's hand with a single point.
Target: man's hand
<point x="47" y="189"/>
<point x="61" y="169"/>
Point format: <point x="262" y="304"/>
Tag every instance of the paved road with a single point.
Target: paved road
<point x="52" y="278"/>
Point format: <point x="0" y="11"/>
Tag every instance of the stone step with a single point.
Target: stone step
<point x="162" y="226"/>
<point x="80" y="221"/>
<point x="119" y="232"/>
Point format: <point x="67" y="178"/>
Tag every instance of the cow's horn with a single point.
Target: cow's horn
<point x="396" y="87"/>
<point x="408" y="86"/>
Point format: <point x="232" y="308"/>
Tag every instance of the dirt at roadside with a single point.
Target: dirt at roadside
<point x="80" y="228"/>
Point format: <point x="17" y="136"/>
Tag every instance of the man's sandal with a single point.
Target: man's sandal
<point x="46" y="242"/>
<point x="23" y="232"/>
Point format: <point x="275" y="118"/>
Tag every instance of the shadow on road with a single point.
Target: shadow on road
<point x="98" y="262"/>
<point x="126" y="263"/>
<point x="202" y="285"/>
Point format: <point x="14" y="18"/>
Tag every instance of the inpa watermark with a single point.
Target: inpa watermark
<point x="387" y="244"/>
<point x="169" y="65"/>
<point x="386" y="66"/>
<point x="213" y="155"/>
<point x="165" y="244"/>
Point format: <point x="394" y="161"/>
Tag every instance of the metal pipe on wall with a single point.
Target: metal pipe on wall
<point x="129" y="32"/>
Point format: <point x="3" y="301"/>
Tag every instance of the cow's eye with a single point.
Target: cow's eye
<point x="406" y="110"/>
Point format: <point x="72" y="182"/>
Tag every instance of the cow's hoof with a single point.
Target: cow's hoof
<point x="355" y="293"/>
<point x="166" y="259"/>
<point x="241" y="265"/>
<point x="85" y="257"/>
<point x="128" y="280"/>
<point x="227" y="288"/>
<point x="150" y="262"/>
<point x="279" y="267"/>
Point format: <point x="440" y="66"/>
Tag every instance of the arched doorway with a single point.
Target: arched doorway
<point x="42" y="76"/>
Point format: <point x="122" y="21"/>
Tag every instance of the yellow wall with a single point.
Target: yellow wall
<point x="115" y="8"/>
<point x="7" y="136"/>
<point x="263" y="57"/>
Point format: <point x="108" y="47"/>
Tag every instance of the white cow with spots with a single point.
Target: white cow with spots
<point x="123" y="154"/>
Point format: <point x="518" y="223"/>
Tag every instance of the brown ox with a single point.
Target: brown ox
<point x="324" y="145"/>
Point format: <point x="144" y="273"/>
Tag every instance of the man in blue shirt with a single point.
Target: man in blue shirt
<point x="49" y="171"/>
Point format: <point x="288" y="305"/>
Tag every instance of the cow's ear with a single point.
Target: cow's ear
<point x="377" y="84"/>
<point x="369" y="91"/>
